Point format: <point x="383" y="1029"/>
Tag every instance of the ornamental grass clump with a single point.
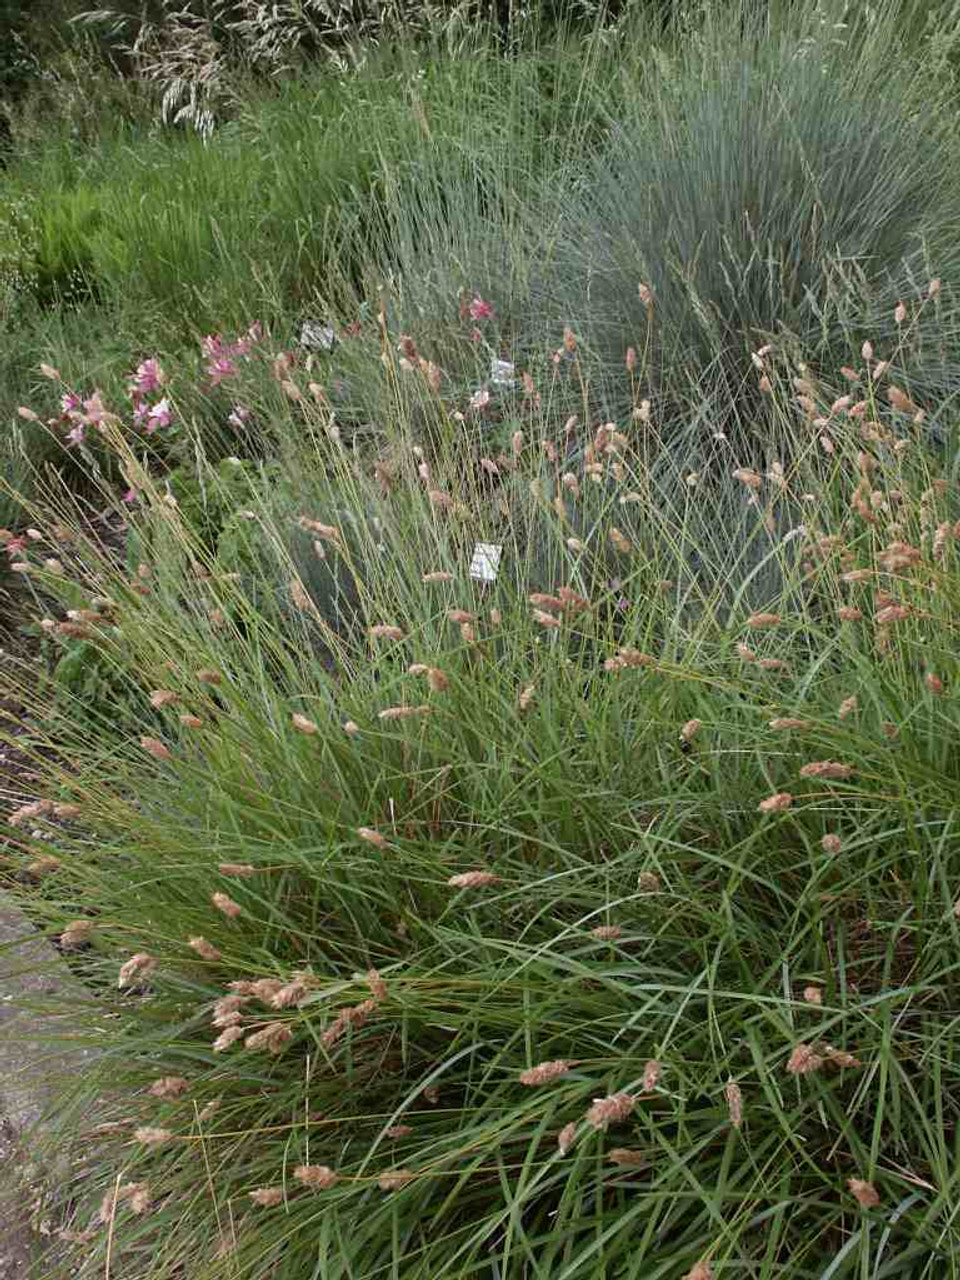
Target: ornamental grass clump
<point x="782" y="176"/>
<point x="514" y="966"/>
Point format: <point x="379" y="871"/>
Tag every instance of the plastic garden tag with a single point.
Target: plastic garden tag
<point x="486" y="561"/>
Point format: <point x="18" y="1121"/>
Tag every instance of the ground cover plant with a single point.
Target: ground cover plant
<point x="587" y="906"/>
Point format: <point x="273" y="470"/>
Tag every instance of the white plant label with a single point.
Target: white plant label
<point x="485" y="564"/>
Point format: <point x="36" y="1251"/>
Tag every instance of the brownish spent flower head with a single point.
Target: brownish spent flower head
<point x="137" y="968"/>
<point x="690" y="730"/>
<point x="241" y="869"/>
<point x="473" y="880"/>
<point x="634" y="658"/>
<point x="839" y="1057"/>
<point x="826" y="769"/>
<point x="264" y="989"/>
<point x="372" y="836"/>
<point x="319" y="1177"/>
<point x="734" y="1098"/>
<point x="703" y="1270"/>
<point x="229" y="1036"/>
<point x="303" y="725"/>
<point x="403" y="713"/>
<point x="274" y="1038"/>
<point x="607" y="932"/>
<point x="651" y="1075"/>
<point x="627" y="1158"/>
<point x="613" y="1109"/>
<point x="865" y="1193"/>
<point x="395" y="1179"/>
<point x="169" y="1087"/>
<point x="813" y="995"/>
<point x="776" y="803"/>
<point x="901" y="401"/>
<point x="763" y="621"/>
<point x="399" y="1131"/>
<point x="289" y="995"/>
<point x="384" y="631"/>
<point x="135" y="1194"/>
<point x="152" y="1137"/>
<point x="892" y="613"/>
<point x="76" y="934"/>
<point x="831" y="843"/>
<point x="804" y="1060"/>
<point x="267" y="1197"/>
<point x="154" y="747"/>
<point x="376" y="984"/>
<point x="790" y="722"/>
<point x="546" y="1072"/>
<point x="566" y="1136"/>
<point x="226" y="905"/>
<point x="573" y="602"/>
<point x="648" y="882"/>
<point x="226" y="1010"/>
<point x="27" y="812"/>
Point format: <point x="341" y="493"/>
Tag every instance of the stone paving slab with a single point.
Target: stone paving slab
<point x="39" y="999"/>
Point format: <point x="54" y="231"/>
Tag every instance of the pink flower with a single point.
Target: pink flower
<point x="78" y="434"/>
<point x="148" y="378"/>
<point x="479" y="310"/>
<point x="255" y="332"/>
<point x="70" y="403"/>
<point x="161" y="415"/>
<point x="130" y="495"/>
<point x="140" y="411"/>
<point x="94" y="410"/>
<point x="238" y="416"/>
<point x="220" y="368"/>
<point x="212" y="345"/>
<point x="480" y="399"/>
<point x="14" y="546"/>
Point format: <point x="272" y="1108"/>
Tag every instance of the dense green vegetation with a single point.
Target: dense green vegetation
<point x="595" y="915"/>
